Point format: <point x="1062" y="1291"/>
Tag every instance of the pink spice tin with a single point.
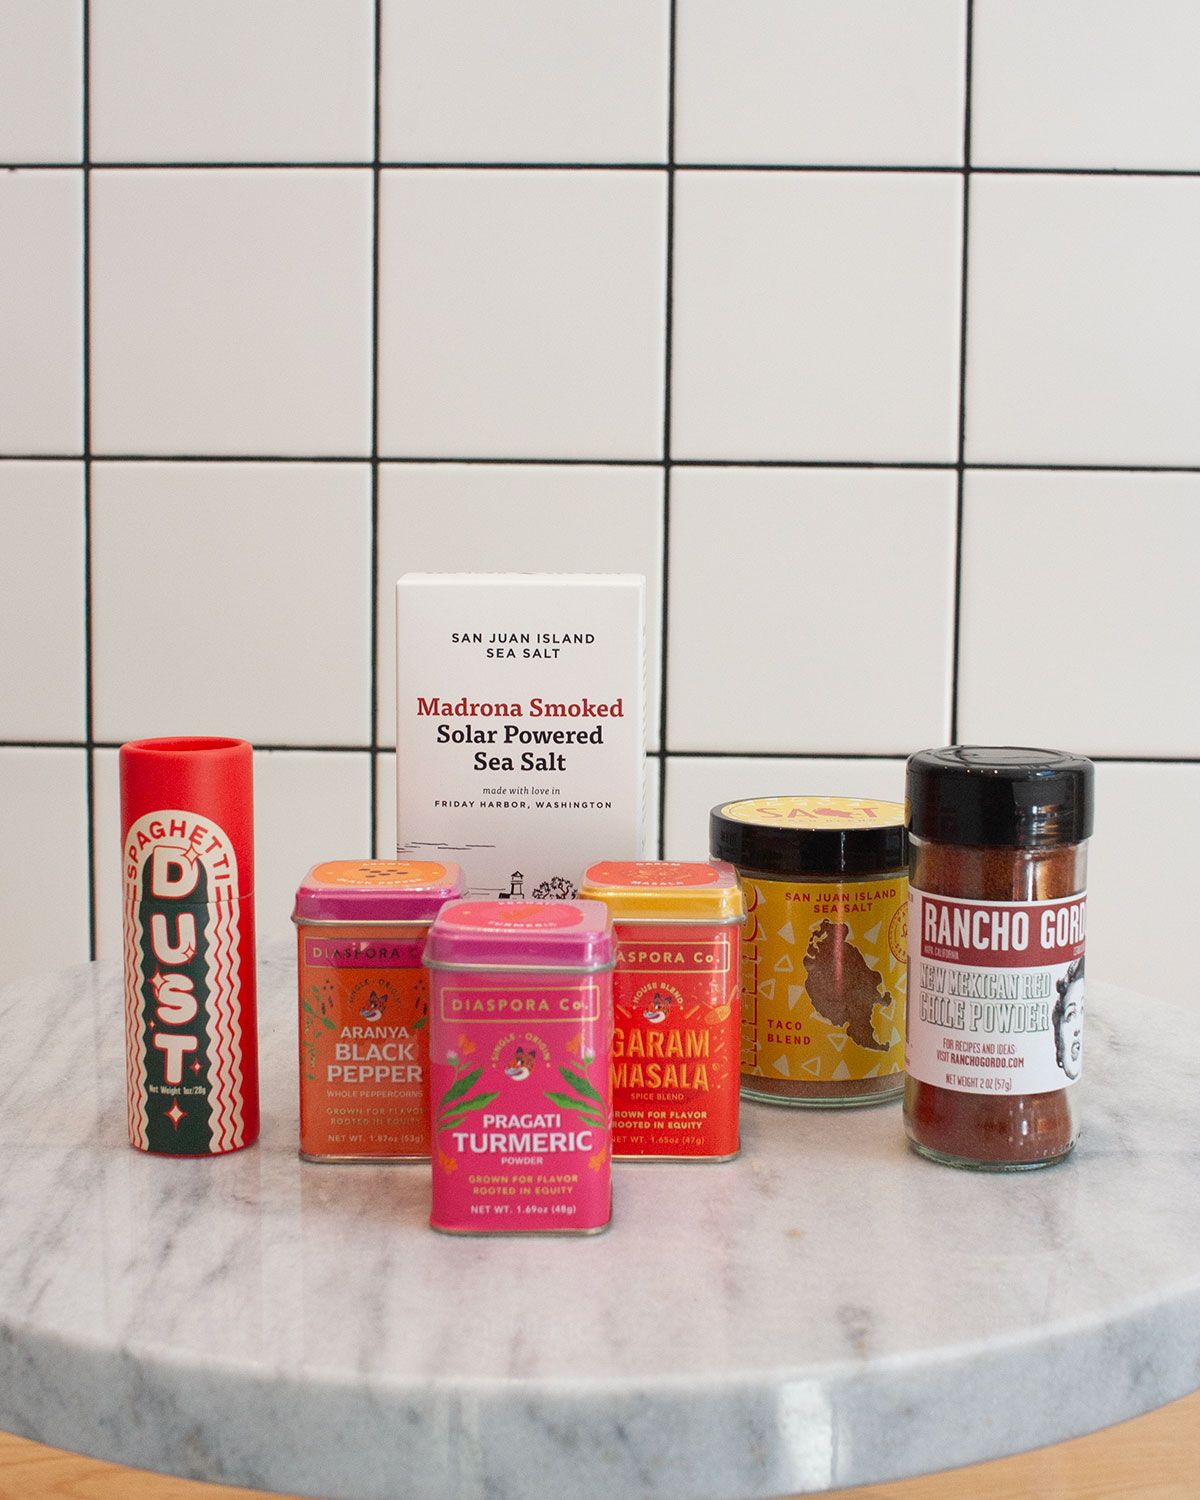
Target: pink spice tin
<point x="520" y="1045"/>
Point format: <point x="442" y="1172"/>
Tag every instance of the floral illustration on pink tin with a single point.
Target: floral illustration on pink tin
<point x="584" y="1098"/>
<point x="457" y="1099"/>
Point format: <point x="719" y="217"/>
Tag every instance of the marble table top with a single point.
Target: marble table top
<point x="828" y="1310"/>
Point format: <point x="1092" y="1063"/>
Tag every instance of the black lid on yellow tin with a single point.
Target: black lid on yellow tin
<point x="810" y="835"/>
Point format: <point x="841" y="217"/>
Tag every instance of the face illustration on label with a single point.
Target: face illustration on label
<point x="369" y="998"/>
<point x="1068" y="1021"/>
<point x="521" y="1065"/>
<point x="656" y="1005"/>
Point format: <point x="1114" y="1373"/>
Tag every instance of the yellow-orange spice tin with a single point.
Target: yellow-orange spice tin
<point x="675" y="1007"/>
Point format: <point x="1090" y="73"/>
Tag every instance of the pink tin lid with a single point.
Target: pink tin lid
<point x="574" y="935"/>
<point x="376" y="890"/>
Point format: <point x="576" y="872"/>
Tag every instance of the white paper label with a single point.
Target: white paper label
<point x="995" y="993"/>
<point x="519" y="729"/>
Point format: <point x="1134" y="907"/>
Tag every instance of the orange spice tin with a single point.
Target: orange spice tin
<point x="364" y="1006"/>
<point x="676" y="1007"/>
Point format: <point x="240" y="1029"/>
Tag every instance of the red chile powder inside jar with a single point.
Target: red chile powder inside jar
<point x="997" y="918"/>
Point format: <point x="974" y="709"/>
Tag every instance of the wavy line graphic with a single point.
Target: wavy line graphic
<point x="225" y="1072"/>
<point x="138" y="1097"/>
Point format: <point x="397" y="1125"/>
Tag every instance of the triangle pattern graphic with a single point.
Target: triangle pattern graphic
<point x="813" y="1066"/>
<point x="794" y="993"/>
<point x="837" y="1040"/>
<point x="787" y="933"/>
<point x="869" y="937"/>
<point x="766" y="989"/>
<point x="841" y="1071"/>
<point x="781" y="1067"/>
<point x="785" y="965"/>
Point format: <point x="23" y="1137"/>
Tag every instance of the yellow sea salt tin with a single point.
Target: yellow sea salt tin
<point x="824" y="948"/>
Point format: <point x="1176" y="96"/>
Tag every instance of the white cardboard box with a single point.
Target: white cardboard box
<point x="519" y="725"/>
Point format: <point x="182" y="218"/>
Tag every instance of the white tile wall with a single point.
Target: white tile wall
<point x="44" y="874"/>
<point x="231" y="311"/>
<point x="1107" y="563"/>
<point x="41" y="80"/>
<point x="255" y="569"/>
<point x="816" y="315"/>
<point x="227" y="80"/>
<point x="1083" y="313"/>
<point x="42" y="609"/>
<point x="1103" y="83"/>
<point x="525" y="81"/>
<point x="41" y="312"/>
<point x="521" y="314"/>
<point x="845" y="82"/>
<point x="670" y="285"/>
<point x="841" y="640"/>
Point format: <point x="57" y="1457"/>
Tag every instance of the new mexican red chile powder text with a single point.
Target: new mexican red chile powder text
<point x="997" y="922"/>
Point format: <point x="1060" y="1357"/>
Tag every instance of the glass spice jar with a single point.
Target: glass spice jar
<point x="997" y="921"/>
<point x="823" y="946"/>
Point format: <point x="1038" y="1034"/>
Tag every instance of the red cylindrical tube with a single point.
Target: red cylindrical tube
<point x="187" y="861"/>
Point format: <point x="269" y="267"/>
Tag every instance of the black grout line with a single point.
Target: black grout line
<point x="1117" y="760"/>
<point x="266" y="748"/>
<point x="789" y="168"/>
<point x="932" y="464"/>
<point x="660" y="755"/>
<point x="956" y="627"/>
<point x="373" y="834"/>
<point x="668" y="331"/>
<point x="89" y="714"/>
<point x="784" y="754"/>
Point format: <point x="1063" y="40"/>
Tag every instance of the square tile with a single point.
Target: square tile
<point x="1100" y="83"/>
<point x="385" y="805"/>
<point x="1106" y="563"/>
<point x="385" y="808"/>
<point x="44" y="873"/>
<point x="518" y="518"/>
<point x="41" y="80"/>
<point x="853" y="82"/>
<point x="522" y="314"/>
<point x="41" y="312"/>
<point x="810" y="610"/>
<point x="1148" y="820"/>
<point x="231" y="312"/>
<point x="525" y="80"/>
<point x="816" y="316"/>
<point x="232" y="599"/>
<point x="1082" y="321"/>
<point x="41" y="601"/>
<point x="308" y="806"/>
<point x="652" y="799"/>
<point x="220" y="80"/>
<point x="696" y="784"/>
